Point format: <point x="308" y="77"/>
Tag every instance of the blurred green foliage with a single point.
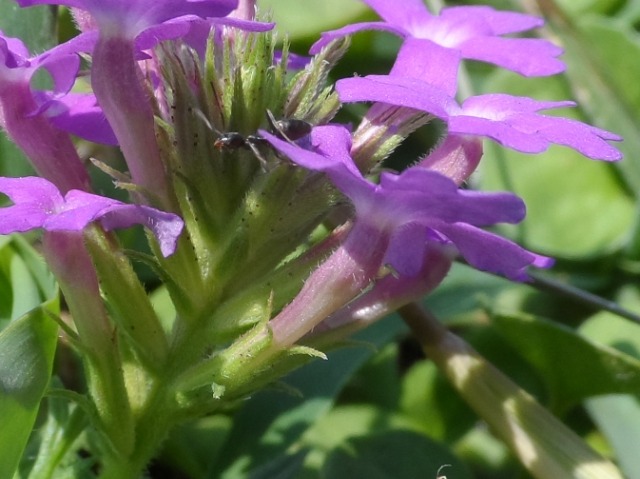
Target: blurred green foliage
<point x="371" y="406"/>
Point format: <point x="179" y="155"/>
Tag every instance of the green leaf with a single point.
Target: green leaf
<point x="57" y="451"/>
<point x="576" y="7"/>
<point x="546" y="345"/>
<point x="34" y="25"/>
<point x="25" y="289"/>
<point x="42" y="276"/>
<point x="191" y="447"/>
<point x="392" y="455"/>
<point x="614" y="331"/>
<point x="343" y="423"/>
<point x="465" y="291"/>
<point x="25" y="281"/>
<point x="602" y="67"/>
<point x="318" y="16"/>
<point x="433" y="405"/>
<point x="570" y="198"/>
<point x="618" y="417"/>
<point x="272" y="420"/>
<point x="283" y="467"/>
<point x="27" y="347"/>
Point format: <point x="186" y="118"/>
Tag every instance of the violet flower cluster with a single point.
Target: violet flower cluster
<point x="263" y="238"/>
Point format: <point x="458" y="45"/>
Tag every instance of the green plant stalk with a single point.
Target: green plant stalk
<point x="543" y="444"/>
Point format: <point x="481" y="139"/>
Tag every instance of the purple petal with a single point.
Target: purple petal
<point x="496" y="21"/>
<point x="331" y="150"/>
<point x="411" y="11"/>
<point x="501" y="132"/>
<point x="200" y="30"/>
<point x="63" y="71"/>
<point x="400" y="91"/>
<point x="513" y="122"/>
<point x="428" y="194"/>
<point x="489" y="252"/>
<point x="418" y="207"/>
<point x="500" y="105"/>
<point x="166" y="227"/>
<point x="154" y="34"/>
<point x="407" y="250"/>
<point x="61" y="62"/>
<point x="470" y="32"/>
<point x="429" y="62"/>
<point x="13" y="50"/>
<point x="14" y="60"/>
<point x="78" y="210"/>
<point x="37" y="203"/>
<point x="34" y="199"/>
<point x="80" y="115"/>
<point x="586" y="139"/>
<point x="527" y="56"/>
<point x="509" y="120"/>
<point x="294" y="61"/>
<point x="331" y="144"/>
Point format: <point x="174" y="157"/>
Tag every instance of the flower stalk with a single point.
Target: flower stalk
<point x="545" y="447"/>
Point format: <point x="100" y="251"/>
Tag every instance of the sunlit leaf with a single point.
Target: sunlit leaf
<point x="588" y="369"/>
<point x="597" y="53"/>
<point x="392" y="455"/>
<point x="618" y="417"/>
<point x="570" y="198"/>
<point x="433" y="405"/>
<point x="318" y="16"/>
<point x="27" y="347"/>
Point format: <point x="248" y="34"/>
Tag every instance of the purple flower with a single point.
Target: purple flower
<point x="509" y="120"/>
<point x="130" y="18"/>
<point x="473" y="33"/>
<point x="37" y="203"/>
<point x="417" y="208"/>
<point x="78" y="114"/>
<point x="25" y="114"/>
<point x="125" y="27"/>
<point x="73" y="113"/>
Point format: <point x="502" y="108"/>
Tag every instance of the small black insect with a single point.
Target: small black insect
<point x="289" y="129"/>
<point x="233" y="140"/>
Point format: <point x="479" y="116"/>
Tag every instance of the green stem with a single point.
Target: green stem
<point x="544" y="445"/>
<point x="120" y="469"/>
<point x="152" y="424"/>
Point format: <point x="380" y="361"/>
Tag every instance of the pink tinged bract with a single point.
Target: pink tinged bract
<point x="456" y="157"/>
<point x="37" y="203"/>
<point x="418" y="207"/>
